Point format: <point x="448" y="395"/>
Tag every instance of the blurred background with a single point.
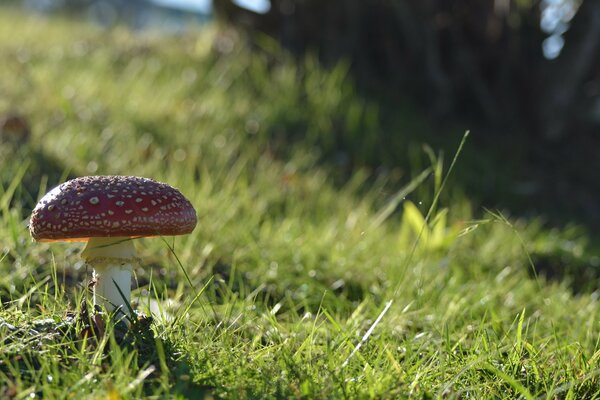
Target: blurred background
<point x="522" y="75"/>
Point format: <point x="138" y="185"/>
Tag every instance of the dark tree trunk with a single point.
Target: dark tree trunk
<point x="571" y="96"/>
<point x="474" y="59"/>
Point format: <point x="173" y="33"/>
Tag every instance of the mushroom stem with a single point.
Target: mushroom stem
<point x="112" y="259"/>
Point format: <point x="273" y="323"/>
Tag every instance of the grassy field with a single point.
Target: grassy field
<point x="306" y="277"/>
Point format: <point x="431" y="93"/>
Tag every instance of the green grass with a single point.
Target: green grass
<point x="304" y="285"/>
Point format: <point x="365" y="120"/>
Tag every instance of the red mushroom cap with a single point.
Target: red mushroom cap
<point x="110" y="206"/>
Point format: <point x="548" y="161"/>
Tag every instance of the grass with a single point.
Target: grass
<point x="296" y="283"/>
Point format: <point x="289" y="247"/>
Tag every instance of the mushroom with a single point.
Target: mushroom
<point x="108" y="212"/>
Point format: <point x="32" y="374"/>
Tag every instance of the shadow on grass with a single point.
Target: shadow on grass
<point x="582" y="274"/>
<point x="34" y="171"/>
<point x="166" y="360"/>
<point x="29" y="347"/>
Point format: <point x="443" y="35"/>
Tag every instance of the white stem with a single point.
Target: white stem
<point x="112" y="260"/>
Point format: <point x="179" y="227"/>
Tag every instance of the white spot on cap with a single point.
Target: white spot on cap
<point x="128" y="211"/>
<point x="144" y="209"/>
<point x="119" y="203"/>
<point x="94" y="200"/>
<point x="110" y="212"/>
<point x="138" y="200"/>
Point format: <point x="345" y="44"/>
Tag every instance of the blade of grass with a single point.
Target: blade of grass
<point x="512" y="382"/>
<point x="368" y="333"/>
<point x="187" y="277"/>
<point x="393" y="203"/>
<point x="433" y="206"/>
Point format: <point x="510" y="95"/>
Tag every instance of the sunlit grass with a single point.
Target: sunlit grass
<point x="290" y="268"/>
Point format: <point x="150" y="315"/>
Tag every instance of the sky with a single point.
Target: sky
<point x="200" y="6"/>
<point x="205" y="6"/>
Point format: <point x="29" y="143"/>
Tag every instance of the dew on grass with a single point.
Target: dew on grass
<point x="307" y="315"/>
<point x="252" y="126"/>
<point x="68" y="92"/>
<point x="92" y="167"/>
<point x="189" y="75"/>
<point x="179" y="155"/>
<point x="23" y="55"/>
<point x="338" y="284"/>
<point x="219" y="141"/>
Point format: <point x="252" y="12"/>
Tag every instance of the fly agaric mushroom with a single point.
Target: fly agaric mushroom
<point x="108" y="212"/>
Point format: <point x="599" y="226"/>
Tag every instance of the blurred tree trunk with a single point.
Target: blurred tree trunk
<point x="475" y="59"/>
<point x="571" y="98"/>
